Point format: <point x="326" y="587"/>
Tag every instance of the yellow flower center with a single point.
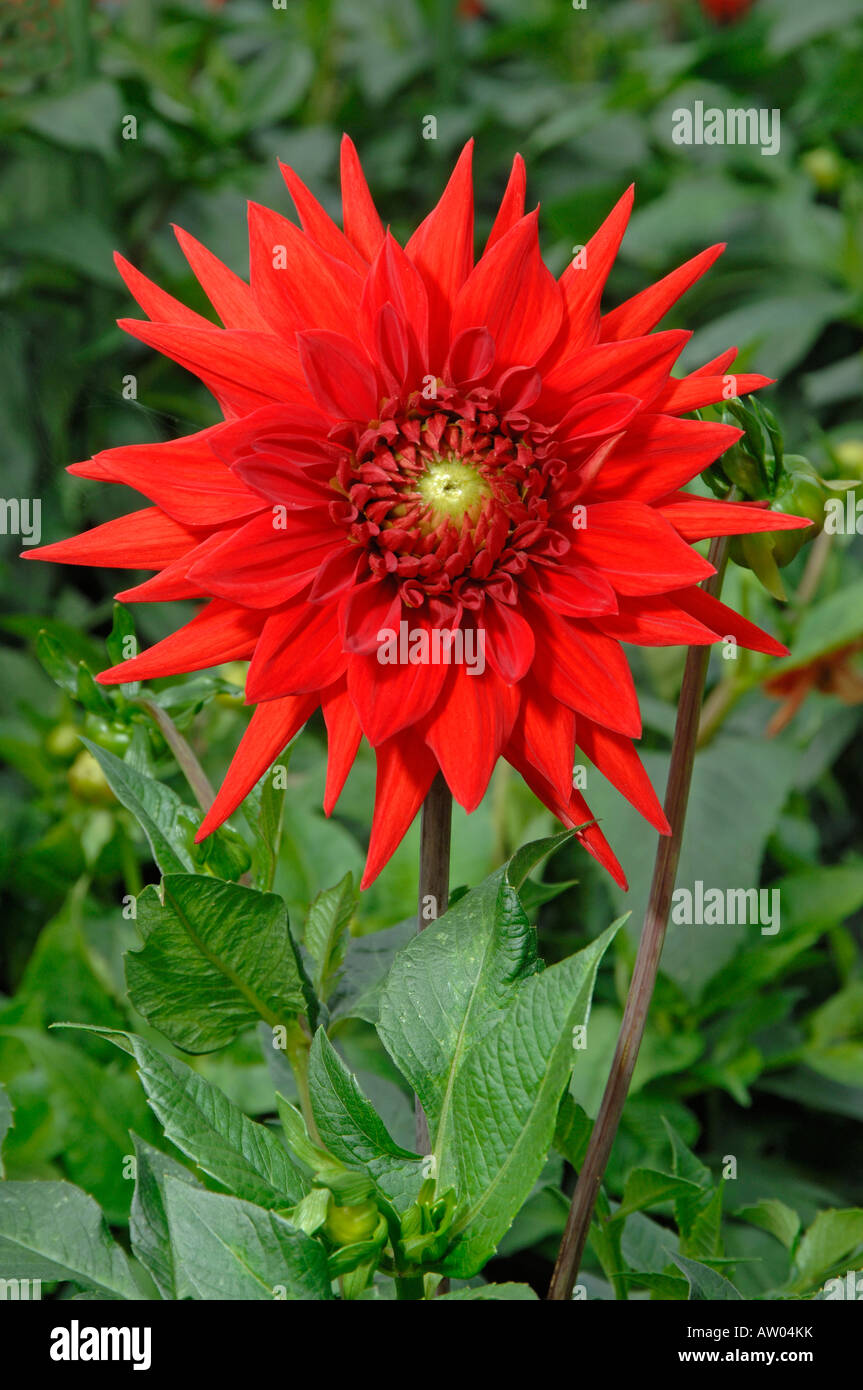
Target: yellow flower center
<point x="452" y="489"/>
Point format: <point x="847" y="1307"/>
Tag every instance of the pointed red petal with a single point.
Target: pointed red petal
<point x="296" y="284"/>
<point x="363" y="226"/>
<point x="145" y="540"/>
<point x="573" y="812"/>
<point x="318" y="224"/>
<point x="388" y="697"/>
<point x="639" y="367"/>
<point x="394" y="279"/>
<point x="643" y="311"/>
<point x="299" y="651"/>
<point x="157" y="305"/>
<point x="220" y="632"/>
<point x="341" y="381"/>
<point x="544" y="734"/>
<point x="692" y="392"/>
<point x="697" y="518"/>
<point x="585" y="670"/>
<point x="718" y="366"/>
<point x="249" y="370"/>
<point x="470" y="357"/>
<point x="617" y="760"/>
<point x="274" y="474"/>
<point x="442" y="250"/>
<point x="577" y="591"/>
<point x="343" y="740"/>
<point x="184" y="478"/>
<point x="655" y="621"/>
<point x="636" y="549"/>
<point x="406" y="770"/>
<point x="262" y="565"/>
<point x="584" y="280"/>
<point x="230" y="296"/>
<point x="336" y="573"/>
<point x="271" y="728"/>
<point x="726" y="623"/>
<point x="365" y="611"/>
<point x="510" y="642"/>
<point x="596" y="416"/>
<point x="507" y="278"/>
<point x="657" y="455"/>
<point x="172" y="583"/>
<point x="511" y="208"/>
<point x="468" y="729"/>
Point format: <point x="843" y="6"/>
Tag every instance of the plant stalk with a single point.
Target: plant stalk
<point x="435" y="830"/>
<point x="409" y="1286"/>
<point x="297" y="1049"/>
<point x="647" y="960"/>
<point x="182" y="751"/>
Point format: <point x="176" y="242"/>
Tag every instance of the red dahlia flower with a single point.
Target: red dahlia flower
<point x="409" y="437"/>
<point x="831" y="673"/>
<point x="726" y="10"/>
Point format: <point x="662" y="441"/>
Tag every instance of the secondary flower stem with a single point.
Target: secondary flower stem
<point x="433" y="887"/>
<point x="298" y="1045"/>
<point x="409" y="1286"/>
<point x="647" y="960"/>
<point x="182" y="751"/>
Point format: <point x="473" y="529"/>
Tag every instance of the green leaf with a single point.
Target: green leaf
<point x="646" y="1187"/>
<point x="704" y="1282"/>
<point x="263" y="810"/>
<point x="486" y="1041"/>
<point x="85" y="118"/>
<point x="157" y="809"/>
<point x="54" y="1231"/>
<point x="826" y="625"/>
<point x="316" y="1158"/>
<point x="351" y="1129"/>
<point x="449" y="981"/>
<point x="700" y="1223"/>
<point x="572" y="1131"/>
<point x="148" y="1222"/>
<point x="832" y="1237"/>
<point x="247" y="1158"/>
<point x="66" y="974"/>
<point x="505" y="1099"/>
<point x="684" y="1163"/>
<point x="90" y="695"/>
<point x="229" y="1249"/>
<point x="666" y="1286"/>
<point x="326" y="933"/>
<point x="773" y="1216"/>
<point x="122" y="628"/>
<point x="96" y="1105"/>
<point x="509" y="1293"/>
<point x="6" y="1122"/>
<point x="58" y="662"/>
<point x="368" y="961"/>
<point x="216" y="958"/>
<point x="714" y="850"/>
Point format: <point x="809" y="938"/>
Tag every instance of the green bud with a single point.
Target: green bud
<point x="354" y="1224"/>
<point x="87" y="781"/>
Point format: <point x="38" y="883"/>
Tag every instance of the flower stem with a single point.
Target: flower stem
<point x="433" y="888"/>
<point x="647" y="961"/>
<point x="409" y="1286"/>
<point x="297" y="1049"/>
<point x="182" y="751"/>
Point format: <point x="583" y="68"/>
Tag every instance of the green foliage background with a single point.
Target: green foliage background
<point x="755" y="1047"/>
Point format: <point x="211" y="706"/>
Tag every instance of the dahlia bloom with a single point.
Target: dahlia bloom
<point x="411" y="437"/>
<point x="726" y="11"/>
<point x="831" y="673"/>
